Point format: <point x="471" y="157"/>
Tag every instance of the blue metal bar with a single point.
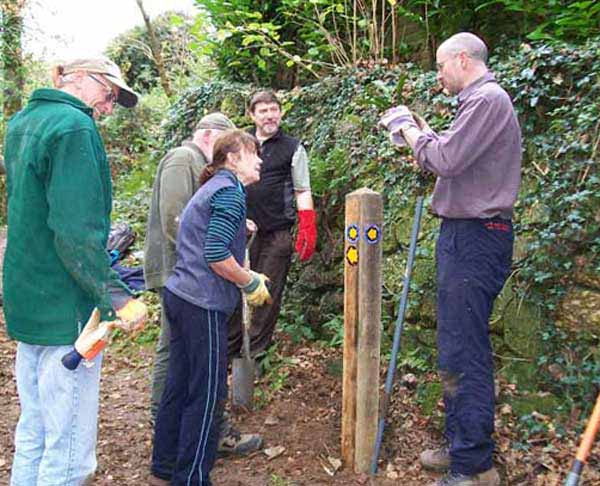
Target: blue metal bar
<point x="574" y="474"/>
<point x="389" y="382"/>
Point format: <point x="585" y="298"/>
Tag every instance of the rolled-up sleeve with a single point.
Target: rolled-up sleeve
<point x="450" y="153"/>
<point x="300" y="170"/>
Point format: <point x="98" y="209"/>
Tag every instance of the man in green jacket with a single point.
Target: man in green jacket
<point x="177" y="180"/>
<point x="56" y="268"/>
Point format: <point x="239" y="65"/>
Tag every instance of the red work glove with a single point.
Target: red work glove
<point x="307" y="234"/>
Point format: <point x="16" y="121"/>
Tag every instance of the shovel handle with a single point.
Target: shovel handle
<point x="72" y="359"/>
<point x="587" y="440"/>
<point x="590" y="433"/>
<point x="245" y="306"/>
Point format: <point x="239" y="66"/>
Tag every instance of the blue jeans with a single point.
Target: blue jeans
<point x="473" y="261"/>
<point x="187" y="424"/>
<point x="55" y="440"/>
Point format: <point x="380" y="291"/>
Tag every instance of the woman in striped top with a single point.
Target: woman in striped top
<point x="199" y="297"/>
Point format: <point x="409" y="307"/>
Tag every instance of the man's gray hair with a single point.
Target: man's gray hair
<point x="466" y="42"/>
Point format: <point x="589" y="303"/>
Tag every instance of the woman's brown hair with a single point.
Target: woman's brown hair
<point x="229" y="142"/>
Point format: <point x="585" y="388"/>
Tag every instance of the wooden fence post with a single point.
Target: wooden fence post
<point x="362" y="327"/>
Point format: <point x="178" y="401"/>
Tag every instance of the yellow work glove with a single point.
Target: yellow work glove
<point x="91" y="341"/>
<point x="256" y="291"/>
<point x="94" y="336"/>
<point x="132" y="316"/>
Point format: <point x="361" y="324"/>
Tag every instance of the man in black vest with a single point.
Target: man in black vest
<point x="282" y="192"/>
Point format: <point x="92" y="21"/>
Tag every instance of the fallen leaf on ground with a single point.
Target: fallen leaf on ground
<point x="271" y="420"/>
<point x="391" y="472"/>
<point x="331" y="465"/>
<point x="273" y="452"/>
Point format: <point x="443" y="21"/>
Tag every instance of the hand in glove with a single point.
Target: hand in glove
<point x="395" y="120"/>
<point x="306" y="240"/>
<point x="256" y="291"/>
<point x="90" y="342"/>
<point x="132" y="316"/>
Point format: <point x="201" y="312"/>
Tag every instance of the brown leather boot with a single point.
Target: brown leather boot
<point x="487" y="478"/>
<point x="436" y="459"/>
<point x="156" y="481"/>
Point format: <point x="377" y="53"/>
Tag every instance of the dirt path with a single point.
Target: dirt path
<point x="299" y="409"/>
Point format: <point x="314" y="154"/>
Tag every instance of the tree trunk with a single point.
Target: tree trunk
<point x="11" y="54"/>
<point x="156" y="51"/>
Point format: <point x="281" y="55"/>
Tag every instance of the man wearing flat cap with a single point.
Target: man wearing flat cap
<point x="177" y="180"/>
<point x="56" y="268"/>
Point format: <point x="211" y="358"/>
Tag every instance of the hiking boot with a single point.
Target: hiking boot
<point x="156" y="481"/>
<point x="235" y="443"/>
<point x="436" y="459"/>
<point x="487" y="478"/>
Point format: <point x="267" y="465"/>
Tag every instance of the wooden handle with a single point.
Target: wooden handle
<point x="590" y="433"/>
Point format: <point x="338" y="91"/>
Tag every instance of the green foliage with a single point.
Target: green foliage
<point x="275" y="370"/>
<point x="134" y="146"/>
<point x="428" y="396"/>
<point x="555" y="89"/>
<point x="561" y="189"/>
<point x="277" y="480"/>
<point x="194" y="103"/>
<point x="575" y="363"/>
<point x="289" y="42"/>
<point x="334" y="327"/>
<point x="254" y="42"/>
<point x="177" y="35"/>
<point x="555" y="19"/>
<point x="131" y="136"/>
<point x="293" y="324"/>
<point x="415" y="360"/>
<point x="11" y="56"/>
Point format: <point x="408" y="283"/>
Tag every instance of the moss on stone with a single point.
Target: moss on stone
<point x="545" y="404"/>
<point x="524" y="374"/>
<point x="580" y="309"/>
<point x="519" y="322"/>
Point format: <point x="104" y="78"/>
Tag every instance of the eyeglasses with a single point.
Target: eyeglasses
<point x="440" y="65"/>
<point x="111" y="97"/>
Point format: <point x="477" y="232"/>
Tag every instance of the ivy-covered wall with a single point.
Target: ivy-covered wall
<point x="557" y="256"/>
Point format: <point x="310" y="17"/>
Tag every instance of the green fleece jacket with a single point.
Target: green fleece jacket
<point x="177" y="180"/>
<point x="56" y="268"/>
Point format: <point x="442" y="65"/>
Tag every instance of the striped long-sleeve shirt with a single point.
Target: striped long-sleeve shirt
<point x="227" y="209"/>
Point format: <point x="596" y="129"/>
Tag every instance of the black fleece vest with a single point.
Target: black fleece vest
<point x="271" y="202"/>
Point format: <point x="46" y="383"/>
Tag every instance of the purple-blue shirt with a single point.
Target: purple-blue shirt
<point x="478" y="159"/>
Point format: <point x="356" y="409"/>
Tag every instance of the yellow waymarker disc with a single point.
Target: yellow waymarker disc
<point x="373" y="234"/>
<point x="352" y="233"/>
<point x="352" y="255"/>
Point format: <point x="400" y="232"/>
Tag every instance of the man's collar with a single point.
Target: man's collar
<point x="191" y="145"/>
<point x="57" y="95"/>
<point x="275" y="136"/>
<point x="468" y="90"/>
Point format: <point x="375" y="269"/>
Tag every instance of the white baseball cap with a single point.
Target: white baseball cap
<point x="102" y="65"/>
